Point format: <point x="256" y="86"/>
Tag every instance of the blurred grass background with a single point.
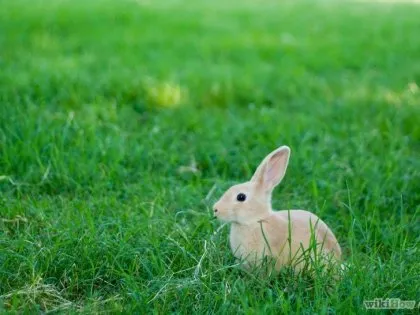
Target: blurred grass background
<point x="118" y="118"/>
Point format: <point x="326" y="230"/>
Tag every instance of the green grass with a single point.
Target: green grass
<point x="102" y="103"/>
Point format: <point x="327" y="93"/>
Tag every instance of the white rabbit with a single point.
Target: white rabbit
<point x="257" y="231"/>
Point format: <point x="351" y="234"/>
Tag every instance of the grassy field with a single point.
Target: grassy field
<point x="121" y="122"/>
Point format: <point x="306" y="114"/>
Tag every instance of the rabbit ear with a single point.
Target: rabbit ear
<point x="272" y="169"/>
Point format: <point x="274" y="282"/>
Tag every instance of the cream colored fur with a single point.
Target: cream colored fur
<point x="258" y="231"/>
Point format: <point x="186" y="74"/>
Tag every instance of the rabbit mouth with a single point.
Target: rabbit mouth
<point x="223" y="218"/>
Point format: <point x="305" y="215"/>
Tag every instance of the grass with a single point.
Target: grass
<point x="122" y="121"/>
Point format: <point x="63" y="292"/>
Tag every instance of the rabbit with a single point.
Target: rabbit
<point x="258" y="232"/>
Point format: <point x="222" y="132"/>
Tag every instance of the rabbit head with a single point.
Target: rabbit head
<point x="250" y="202"/>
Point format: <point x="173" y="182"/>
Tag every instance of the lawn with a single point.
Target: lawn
<point x="121" y="122"/>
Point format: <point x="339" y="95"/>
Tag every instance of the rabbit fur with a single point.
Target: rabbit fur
<point x="257" y="231"/>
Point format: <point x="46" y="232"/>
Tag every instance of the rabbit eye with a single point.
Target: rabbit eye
<point x="241" y="197"/>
